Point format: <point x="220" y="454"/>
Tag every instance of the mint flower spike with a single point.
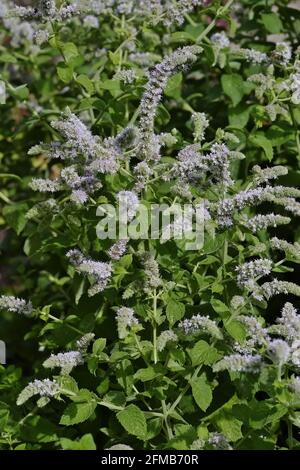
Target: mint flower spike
<point x="165" y="337"/>
<point x="15" y="305"/>
<point x="263" y="175"/>
<point x="200" y="324"/>
<point x="151" y="270"/>
<point x="249" y="272"/>
<point x="291" y="249"/>
<point x="125" y="320"/>
<point x="158" y="78"/>
<point x="65" y="361"/>
<point x="294" y="386"/>
<point x="276" y="287"/>
<point x="44" y="388"/>
<point x="261" y="222"/>
<point x="239" y="363"/>
<point x="288" y="324"/>
<point x="99" y="272"/>
<point x="279" y="351"/>
<point x="83" y="343"/>
<point x="118" y="249"/>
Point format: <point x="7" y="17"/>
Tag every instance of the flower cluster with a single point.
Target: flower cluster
<point x="65" y="361"/>
<point x="248" y="273"/>
<point x="150" y="148"/>
<point x="151" y="271"/>
<point x="98" y="271"/>
<point x="87" y="155"/>
<point x="44" y="388"/>
<point x="167" y="336"/>
<point x="239" y="363"/>
<point x="125" y="320"/>
<point x="15" y="305"/>
<point x="200" y="324"/>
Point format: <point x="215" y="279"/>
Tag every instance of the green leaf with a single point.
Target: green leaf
<point x="4" y="414"/>
<point x="175" y="311"/>
<point x="113" y="86"/>
<point x="263" y="413"/>
<point x="239" y="116"/>
<point x="133" y="421"/>
<point x="114" y="399"/>
<point x="233" y="86"/>
<point x="8" y="58"/>
<point x="181" y="36"/>
<point x="69" y="50"/>
<point x="85" y="443"/>
<point x="236" y="329"/>
<point x="149" y="373"/>
<point x="20" y="92"/>
<point x="272" y="22"/>
<point x="64" y="72"/>
<point x="173" y="88"/>
<point x="220" y="308"/>
<point x="203" y="353"/>
<point x="114" y="57"/>
<point x="86" y="83"/>
<point x="202" y="392"/>
<point x="260" y="140"/>
<point x="229" y="426"/>
<point x="99" y="345"/>
<point x="15" y="216"/>
<point x="81" y="410"/>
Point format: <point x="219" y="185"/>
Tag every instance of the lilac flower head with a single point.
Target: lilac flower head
<point x="99" y="272"/>
<point x="279" y="351"/>
<point x="15" y="305"/>
<point x="199" y="323"/>
<point x="249" y="272"/>
<point x="129" y="203"/>
<point x="239" y="363"/>
<point x="44" y="388"/>
<point x="118" y="249"/>
<point x="65" y="361"/>
<point x="158" y="79"/>
<point x="125" y="320"/>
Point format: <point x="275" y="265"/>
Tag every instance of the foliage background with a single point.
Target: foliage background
<point x="67" y="71"/>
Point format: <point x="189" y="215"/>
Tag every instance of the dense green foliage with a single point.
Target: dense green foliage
<point x="147" y="377"/>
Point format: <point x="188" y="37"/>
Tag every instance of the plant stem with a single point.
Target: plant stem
<point x="290" y="434"/>
<point x="211" y="25"/>
<point x="58" y="320"/>
<point x="154" y="327"/>
<point x="165" y="411"/>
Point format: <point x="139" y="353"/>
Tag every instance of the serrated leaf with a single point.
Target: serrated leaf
<point x="260" y="140"/>
<point x="15" y="216"/>
<point x="76" y="413"/>
<point x="173" y="88"/>
<point x="203" y="353"/>
<point x="65" y="73"/>
<point x="202" y="392"/>
<point x="175" y="311"/>
<point x="233" y="86"/>
<point x="133" y="421"/>
<point x="69" y="50"/>
<point x="86" y="83"/>
<point x="99" y="345"/>
<point x="236" y="329"/>
<point x="220" y="308"/>
<point x="272" y="22"/>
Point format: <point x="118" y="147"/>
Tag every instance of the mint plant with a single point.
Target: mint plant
<point x="139" y="341"/>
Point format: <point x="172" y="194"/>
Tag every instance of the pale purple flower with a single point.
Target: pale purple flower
<point x="15" y="305"/>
